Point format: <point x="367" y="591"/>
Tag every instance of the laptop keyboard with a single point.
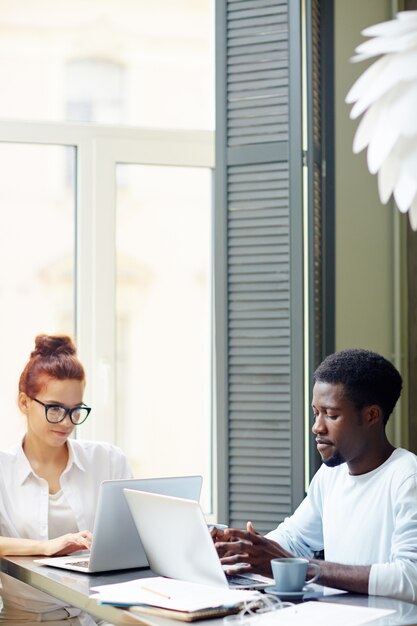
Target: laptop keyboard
<point x="237" y="580"/>
<point x="234" y="580"/>
<point x="79" y="563"/>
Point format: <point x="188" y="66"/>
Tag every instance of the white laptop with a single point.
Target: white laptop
<point x="177" y="541"/>
<point x="116" y="544"/>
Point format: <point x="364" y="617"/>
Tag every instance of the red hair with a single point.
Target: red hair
<point x="54" y="356"/>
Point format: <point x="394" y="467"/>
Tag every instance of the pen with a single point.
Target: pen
<point x="158" y="593"/>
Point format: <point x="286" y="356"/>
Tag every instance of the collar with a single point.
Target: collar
<point x="74" y="457"/>
<point x="24" y="468"/>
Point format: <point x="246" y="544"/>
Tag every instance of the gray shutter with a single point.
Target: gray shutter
<point x="258" y="262"/>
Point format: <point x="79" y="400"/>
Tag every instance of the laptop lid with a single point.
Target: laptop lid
<point x="116" y="544"/>
<point x="175" y="538"/>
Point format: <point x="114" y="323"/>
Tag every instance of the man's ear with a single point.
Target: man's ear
<point x="374" y="414"/>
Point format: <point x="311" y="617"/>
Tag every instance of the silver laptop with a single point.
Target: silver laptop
<point x="177" y="541"/>
<point x="116" y="544"/>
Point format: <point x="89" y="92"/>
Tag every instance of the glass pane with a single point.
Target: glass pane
<point x="163" y="320"/>
<point x="142" y="63"/>
<point x="37" y="200"/>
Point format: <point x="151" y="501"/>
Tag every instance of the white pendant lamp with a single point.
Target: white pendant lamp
<point x="386" y="95"/>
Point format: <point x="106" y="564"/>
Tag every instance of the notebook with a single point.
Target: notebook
<point x="168" y="597"/>
<point x="177" y="541"/>
<point x="116" y="544"/>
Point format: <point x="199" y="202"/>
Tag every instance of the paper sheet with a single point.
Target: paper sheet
<point x="318" y="591"/>
<point x="310" y="613"/>
<point x="170" y="594"/>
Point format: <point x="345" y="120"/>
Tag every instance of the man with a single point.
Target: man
<point x="361" y="506"/>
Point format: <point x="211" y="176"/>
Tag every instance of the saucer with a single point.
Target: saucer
<point x="286" y="595"/>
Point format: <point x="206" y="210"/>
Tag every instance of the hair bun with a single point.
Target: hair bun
<point x="47" y="345"/>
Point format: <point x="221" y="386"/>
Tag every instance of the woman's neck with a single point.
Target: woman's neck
<point x="46" y="461"/>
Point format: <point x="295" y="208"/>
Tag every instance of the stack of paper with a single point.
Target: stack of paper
<point x="183" y="600"/>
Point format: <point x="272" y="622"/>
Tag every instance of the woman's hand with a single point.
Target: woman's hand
<point x="249" y="548"/>
<point x="66" y="544"/>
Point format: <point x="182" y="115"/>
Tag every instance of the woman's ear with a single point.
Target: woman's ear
<point x="23" y="402"/>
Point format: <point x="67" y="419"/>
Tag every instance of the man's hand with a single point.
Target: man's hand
<point x="66" y="544"/>
<point x="218" y="534"/>
<point x="249" y="548"/>
<point x="254" y="553"/>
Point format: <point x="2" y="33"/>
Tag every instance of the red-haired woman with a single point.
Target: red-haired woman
<point x="49" y="483"/>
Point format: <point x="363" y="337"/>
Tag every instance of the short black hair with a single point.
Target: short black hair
<point x="368" y="378"/>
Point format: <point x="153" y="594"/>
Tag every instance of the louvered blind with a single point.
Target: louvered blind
<point x="257" y="72"/>
<point x="259" y="343"/>
<point x="253" y="180"/>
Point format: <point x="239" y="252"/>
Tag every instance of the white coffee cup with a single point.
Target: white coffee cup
<point x="290" y="573"/>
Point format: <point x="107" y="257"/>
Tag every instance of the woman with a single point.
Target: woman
<point x="49" y="483"/>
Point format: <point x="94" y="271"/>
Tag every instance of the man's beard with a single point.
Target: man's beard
<point x="335" y="460"/>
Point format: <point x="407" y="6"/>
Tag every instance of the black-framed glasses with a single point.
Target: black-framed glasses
<point x="56" y="413"/>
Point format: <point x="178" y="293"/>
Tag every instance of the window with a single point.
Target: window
<point x="65" y="60"/>
<point x="120" y="93"/>
<point x="163" y="338"/>
<point x="95" y="91"/>
<point x="38" y="259"/>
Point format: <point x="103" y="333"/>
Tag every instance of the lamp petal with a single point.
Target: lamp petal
<point x="387" y="176"/>
<point x="408" y="16"/>
<point x="404" y="191"/>
<point x="384" y="77"/>
<point x="383" y="139"/>
<point x="403" y="111"/>
<point x="365" y="130"/>
<point x="393" y="27"/>
<point x="412" y="214"/>
<point x="385" y="45"/>
<point x="409" y="156"/>
<point x="370" y="74"/>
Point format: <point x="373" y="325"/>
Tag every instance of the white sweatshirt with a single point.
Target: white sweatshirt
<point x="369" y="519"/>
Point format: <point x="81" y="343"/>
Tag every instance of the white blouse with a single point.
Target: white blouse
<point x="25" y="505"/>
<point x="61" y="519"/>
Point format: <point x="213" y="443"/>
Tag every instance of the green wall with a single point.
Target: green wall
<point x="364" y="241"/>
<point x="365" y="259"/>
